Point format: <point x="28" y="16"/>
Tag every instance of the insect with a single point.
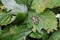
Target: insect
<point x="35" y="20"/>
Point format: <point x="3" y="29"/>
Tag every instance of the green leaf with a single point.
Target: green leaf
<point x="35" y="35"/>
<point x="26" y="2"/>
<point x="21" y="33"/>
<point x="53" y="3"/>
<point x="55" y="36"/>
<point x="5" y="18"/>
<point x="15" y="33"/>
<point x="38" y="35"/>
<point x="41" y="5"/>
<point x="46" y="20"/>
<point x="5" y="34"/>
<point x="45" y="35"/>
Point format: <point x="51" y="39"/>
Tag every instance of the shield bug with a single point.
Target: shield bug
<point x="35" y="20"/>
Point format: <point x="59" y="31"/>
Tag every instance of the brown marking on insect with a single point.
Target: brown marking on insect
<point x="35" y="19"/>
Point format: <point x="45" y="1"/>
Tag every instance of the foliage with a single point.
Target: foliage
<point x="29" y="20"/>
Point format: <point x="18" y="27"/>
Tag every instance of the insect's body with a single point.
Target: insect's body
<point x="35" y="20"/>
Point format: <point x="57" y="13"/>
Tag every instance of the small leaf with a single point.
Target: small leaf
<point x="35" y="35"/>
<point x="53" y="3"/>
<point x="5" y="18"/>
<point x="15" y="33"/>
<point x="41" y="5"/>
<point x="55" y="36"/>
<point x="22" y="34"/>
